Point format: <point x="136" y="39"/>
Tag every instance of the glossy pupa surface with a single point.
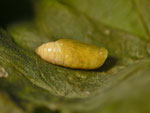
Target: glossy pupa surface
<point x="73" y="54"/>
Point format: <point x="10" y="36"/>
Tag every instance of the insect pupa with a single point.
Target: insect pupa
<point x="73" y="54"/>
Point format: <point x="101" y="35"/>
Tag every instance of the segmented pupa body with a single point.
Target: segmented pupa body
<point x="73" y="54"/>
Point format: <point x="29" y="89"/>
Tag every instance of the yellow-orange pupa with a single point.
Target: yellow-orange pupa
<point x="73" y="54"/>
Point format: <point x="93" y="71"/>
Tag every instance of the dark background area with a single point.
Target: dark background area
<point x="15" y="10"/>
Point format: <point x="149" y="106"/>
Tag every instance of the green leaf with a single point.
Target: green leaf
<point x="30" y="84"/>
